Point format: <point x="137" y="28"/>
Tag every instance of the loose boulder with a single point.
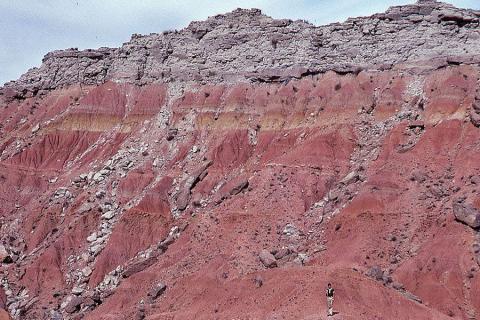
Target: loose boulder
<point x="467" y="214"/>
<point x="267" y="259"/>
<point x="74" y="305"/>
<point x="239" y="187"/>
<point x="138" y="266"/>
<point x="157" y="291"/>
<point x="183" y="198"/>
<point x="4" y="255"/>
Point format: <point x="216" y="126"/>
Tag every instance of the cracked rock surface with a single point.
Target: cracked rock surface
<point x="246" y="45"/>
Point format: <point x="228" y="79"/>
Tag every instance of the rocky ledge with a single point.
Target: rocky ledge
<point x="246" y="45"/>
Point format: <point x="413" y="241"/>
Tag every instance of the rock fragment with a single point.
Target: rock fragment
<point x="157" y="290"/>
<point x="267" y="259"/>
<point x="108" y="215"/>
<point x="74" y="305"/>
<point x="475" y="118"/>
<point x="350" y="178"/>
<point x="239" y="187"/>
<point x="172" y="132"/>
<point x="36" y="128"/>
<point x="290" y="230"/>
<point x="92" y="237"/>
<point x="139" y="266"/>
<point x="77" y="291"/>
<point x="413" y="297"/>
<point x="281" y="253"/>
<point x="466" y="214"/>
<point x="55" y="315"/>
<point x="100" y="194"/>
<point x="87" y="271"/>
<point x="4" y="255"/>
<point x="302" y="259"/>
<point x="183" y="198"/>
<point x="258" y="281"/>
<point x="376" y="273"/>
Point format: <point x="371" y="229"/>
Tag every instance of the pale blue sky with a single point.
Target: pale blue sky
<point x="29" y="29"/>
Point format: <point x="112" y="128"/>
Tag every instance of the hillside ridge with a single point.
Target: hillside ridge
<point x="235" y="167"/>
<point x="245" y="45"/>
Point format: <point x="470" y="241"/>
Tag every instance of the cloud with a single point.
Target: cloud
<point x="30" y="29"/>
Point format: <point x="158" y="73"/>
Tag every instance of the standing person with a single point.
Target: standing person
<point x="330" y="295"/>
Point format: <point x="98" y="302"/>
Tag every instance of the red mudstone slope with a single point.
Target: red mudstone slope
<point x="240" y="198"/>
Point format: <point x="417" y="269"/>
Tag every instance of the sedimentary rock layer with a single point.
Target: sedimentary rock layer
<point x="246" y="45"/>
<point x="233" y="168"/>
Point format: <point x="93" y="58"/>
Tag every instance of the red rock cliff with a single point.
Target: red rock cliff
<point x="231" y="169"/>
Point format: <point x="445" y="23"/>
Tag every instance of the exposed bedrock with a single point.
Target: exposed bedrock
<point x="246" y="45"/>
<point x="233" y="168"/>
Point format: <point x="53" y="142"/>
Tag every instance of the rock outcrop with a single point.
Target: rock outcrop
<point x="246" y="45"/>
<point x="246" y="162"/>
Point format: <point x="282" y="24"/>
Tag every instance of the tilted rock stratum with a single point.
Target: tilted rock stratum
<point x="231" y="169"/>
